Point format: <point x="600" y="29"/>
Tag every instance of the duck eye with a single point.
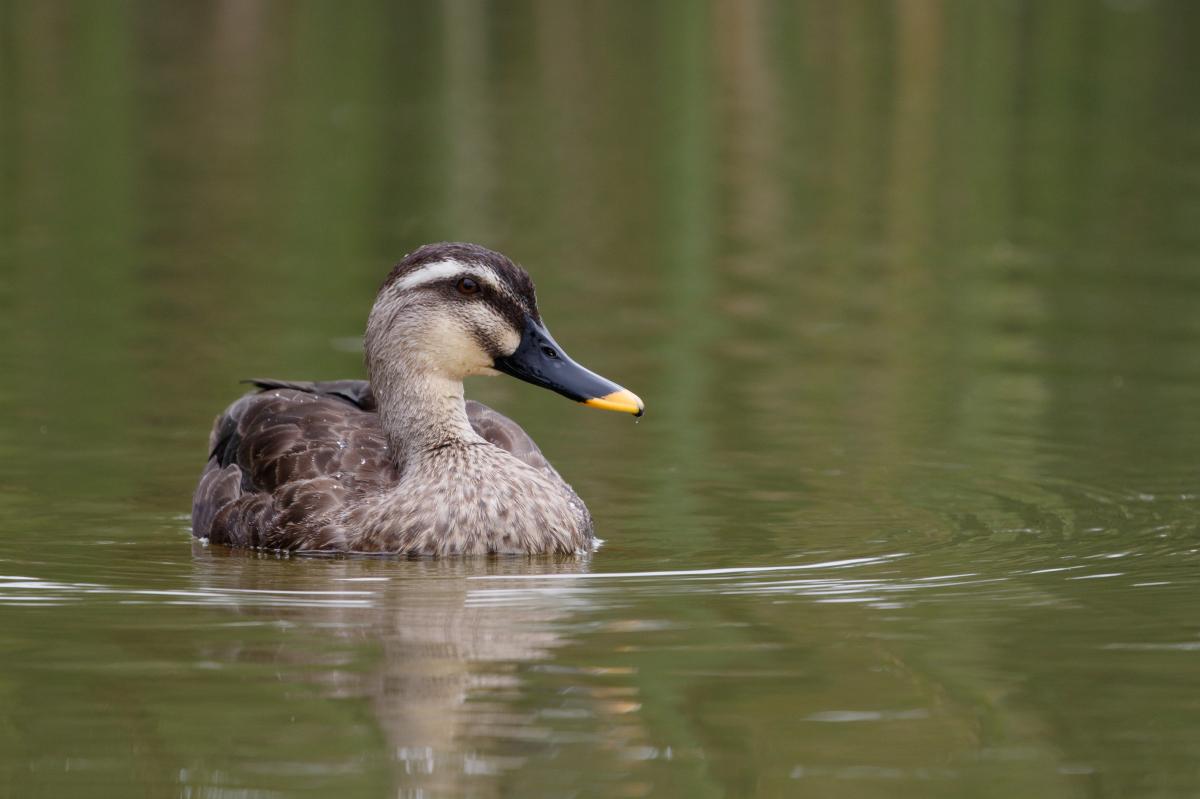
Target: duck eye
<point x="466" y="285"/>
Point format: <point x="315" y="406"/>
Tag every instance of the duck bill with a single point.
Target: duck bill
<point x="539" y="360"/>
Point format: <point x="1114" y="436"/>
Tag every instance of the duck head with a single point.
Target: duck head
<point x="454" y="310"/>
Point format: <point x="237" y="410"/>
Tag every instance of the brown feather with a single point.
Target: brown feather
<point x="291" y="454"/>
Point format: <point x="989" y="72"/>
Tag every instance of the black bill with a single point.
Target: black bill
<point x="539" y="360"/>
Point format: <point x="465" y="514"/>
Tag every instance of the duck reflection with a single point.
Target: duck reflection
<point x="438" y="654"/>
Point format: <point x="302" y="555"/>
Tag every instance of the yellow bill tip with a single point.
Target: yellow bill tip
<point x="622" y="400"/>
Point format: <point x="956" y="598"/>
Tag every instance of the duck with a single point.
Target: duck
<point x="402" y="463"/>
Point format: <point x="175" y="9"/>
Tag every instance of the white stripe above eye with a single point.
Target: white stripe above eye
<point x="440" y="270"/>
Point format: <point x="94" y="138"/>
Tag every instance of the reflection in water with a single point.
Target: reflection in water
<point x="489" y="673"/>
<point x="444" y="682"/>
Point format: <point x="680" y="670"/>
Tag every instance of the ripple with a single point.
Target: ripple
<point x="843" y="716"/>
<point x="1182" y="646"/>
<point x="831" y="564"/>
<point x="50" y="592"/>
<point x="599" y="587"/>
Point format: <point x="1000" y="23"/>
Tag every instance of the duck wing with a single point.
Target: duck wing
<point x="293" y="452"/>
<point x="356" y="392"/>
<point x="492" y="425"/>
<point x="506" y="434"/>
<point x="282" y="460"/>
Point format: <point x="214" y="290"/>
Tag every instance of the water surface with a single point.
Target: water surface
<point x="911" y="293"/>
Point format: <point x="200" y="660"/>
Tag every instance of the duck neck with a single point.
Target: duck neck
<point x="421" y="413"/>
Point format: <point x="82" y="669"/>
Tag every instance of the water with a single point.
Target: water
<point x="910" y="292"/>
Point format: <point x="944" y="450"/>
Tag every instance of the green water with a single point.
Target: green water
<point x="912" y="293"/>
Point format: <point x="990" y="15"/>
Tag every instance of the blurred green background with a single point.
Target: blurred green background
<point x="911" y="291"/>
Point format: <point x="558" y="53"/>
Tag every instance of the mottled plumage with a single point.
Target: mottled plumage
<point x="402" y="464"/>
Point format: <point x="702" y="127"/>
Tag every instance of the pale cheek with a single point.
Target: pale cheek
<point x="467" y="358"/>
<point x="480" y="367"/>
<point x="509" y="339"/>
<point x="495" y="330"/>
<point x="459" y="353"/>
<point x="478" y="362"/>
